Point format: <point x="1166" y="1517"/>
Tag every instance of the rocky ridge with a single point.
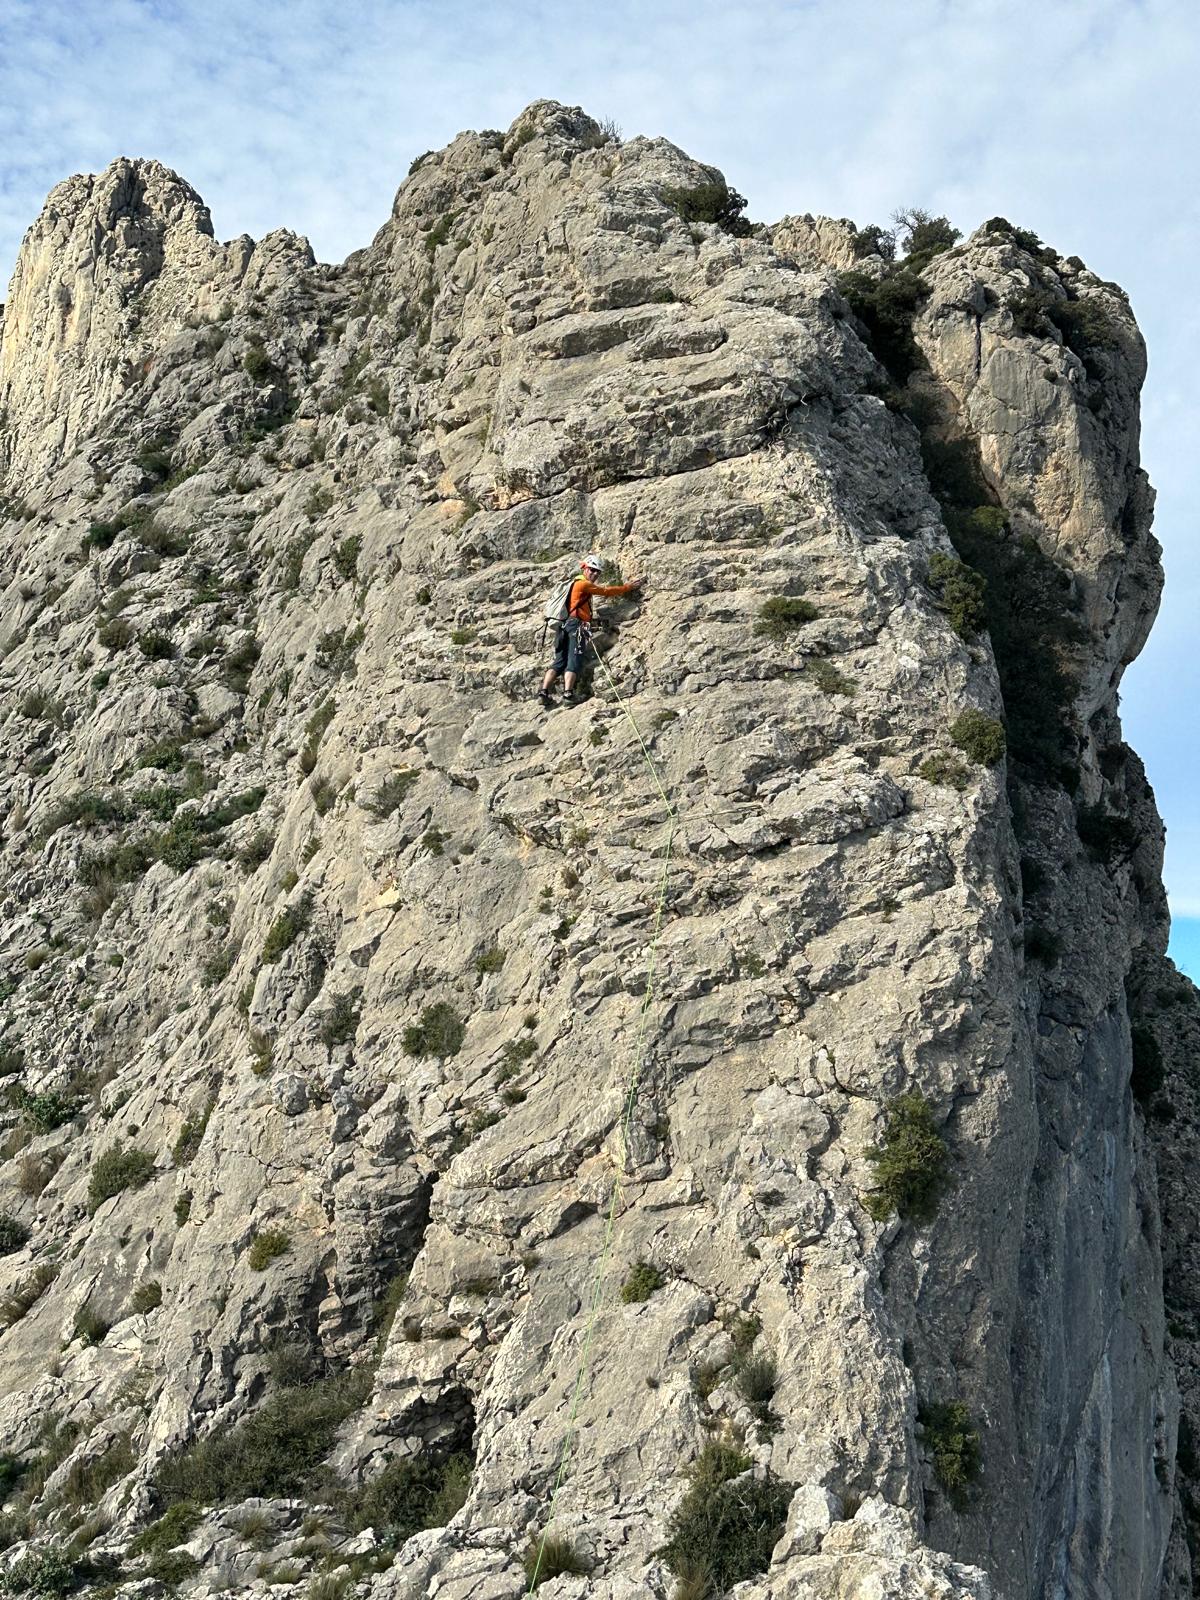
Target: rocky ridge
<point x="324" y="948"/>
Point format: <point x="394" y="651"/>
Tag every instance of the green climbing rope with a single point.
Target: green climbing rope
<point x="631" y="1090"/>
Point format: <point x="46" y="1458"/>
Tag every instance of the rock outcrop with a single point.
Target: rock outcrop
<point x="351" y="1076"/>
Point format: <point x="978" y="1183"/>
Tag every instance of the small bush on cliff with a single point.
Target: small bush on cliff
<point x="948" y="771"/>
<point x="872" y="240"/>
<point x="13" y="1234"/>
<point x="314" y="730"/>
<point x="439" y="1032"/>
<point x="886" y="306"/>
<point x="92" y="1477"/>
<point x="45" y="1112"/>
<point x="286" y="929"/>
<point x="340" y="1022"/>
<point x="827" y="677"/>
<point x="118" y="1169"/>
<point x="782" y="615"/>
<point x="114" y="634"/>
<point x="172" y="1529"/>
<point x="641" y="1283"/>
<point x="147" y="1297"/>
<point x="710" y="202"/>
<point x="390" y="793"/>
<point x="276" y="1451"/>
<point x="960" y="589"/>
<point x="268" y="1245"/>
<point x="345" y="556"/>
<point x="954" y="1447"/>
<point x="410" y="1494"/>
<point x="924" y="236"/>
<point x="979" y="737"/>
<point x="490" y="961"/>
<point x="48" y="1571"/>
<point x="257" y="363"/>
<point x="728" y="1523"/>
<point x="192" y="1134"/>
<point x="911" y="1161"/>
<point x="20" y="1301"/>
<point x="89" y="1326"/>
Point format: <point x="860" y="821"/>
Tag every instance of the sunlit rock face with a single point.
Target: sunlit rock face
<point x="396" y="1128"/>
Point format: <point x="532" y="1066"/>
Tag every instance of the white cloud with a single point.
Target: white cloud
<point x="1076" y="118"/>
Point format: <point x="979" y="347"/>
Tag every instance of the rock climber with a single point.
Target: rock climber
<point x="572" y="613"/>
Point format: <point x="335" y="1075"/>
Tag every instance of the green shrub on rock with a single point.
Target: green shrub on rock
<point x="728" y="1523"/>
<point x="172" y="1567"/>
<point x="641" y="1283"/>
<point x="390" y="792"/>
<point x="267" y="1247"/>
<point x="439" y="1032"/>
<point x="274" y="1452"/>
<point x="45" y="1112"/>
<point x="954" y="1445"/>
<point x="90" y="1326"/>
<point x="979" y="737"/>
<point x="410" y="1494"/>
<point x="48" y="1571"/>
<point x="20" y="1301"/>
<point x="156" y="646"/>
<point x="960" y="589"/>
<point x="346" y="554"/>
<point x="911" y="1161"/>
<point x="118" y="1169"/>
<point x="709" y="202"/>
<point x="257" y="363"/>
<point x="286" y="929"/>
<point x="827" y="677"/>
<point x="192" y="1134"/>
<point x="947" y="771"/>
<point x="491" y="960"/>
<point x="340" y="1022"/>
<point x="13" y="1234"/>
<point x="173" y="1528"/>
<point x="886" y="307"/>
<point x="782" y="615"/>
<point x="923" y="235"/>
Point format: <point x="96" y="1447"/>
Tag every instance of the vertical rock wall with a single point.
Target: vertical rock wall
<point x="308" y="901"/>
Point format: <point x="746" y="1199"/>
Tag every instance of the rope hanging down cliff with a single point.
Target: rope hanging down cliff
<point x="631" y="1090"/>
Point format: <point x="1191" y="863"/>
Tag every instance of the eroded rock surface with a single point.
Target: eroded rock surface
<point x="306" y="899"/>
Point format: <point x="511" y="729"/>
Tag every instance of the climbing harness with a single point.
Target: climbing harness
<point x="631" y="1090"/>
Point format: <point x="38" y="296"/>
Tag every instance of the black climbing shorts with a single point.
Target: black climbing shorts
<point x="570" y="648"/>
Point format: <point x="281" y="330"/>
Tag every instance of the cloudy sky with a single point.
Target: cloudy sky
<point x="1076" y="118"/>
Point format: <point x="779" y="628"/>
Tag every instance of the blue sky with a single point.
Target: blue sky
<point x="1076" y="118"/>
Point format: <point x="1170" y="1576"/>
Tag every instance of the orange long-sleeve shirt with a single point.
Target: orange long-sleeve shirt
<point x="579" y="601"/>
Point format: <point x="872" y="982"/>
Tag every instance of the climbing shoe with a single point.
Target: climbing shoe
<point x="571" y="700"/>
<point x="547" y="702"/>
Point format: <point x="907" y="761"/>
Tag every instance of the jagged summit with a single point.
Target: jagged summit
<point x="324" y="948"/>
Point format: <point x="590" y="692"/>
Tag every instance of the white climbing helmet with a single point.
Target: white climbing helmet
<point x="592" y="563"/>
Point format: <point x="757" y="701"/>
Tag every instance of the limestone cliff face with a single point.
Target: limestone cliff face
<point x="326" y="951"/>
